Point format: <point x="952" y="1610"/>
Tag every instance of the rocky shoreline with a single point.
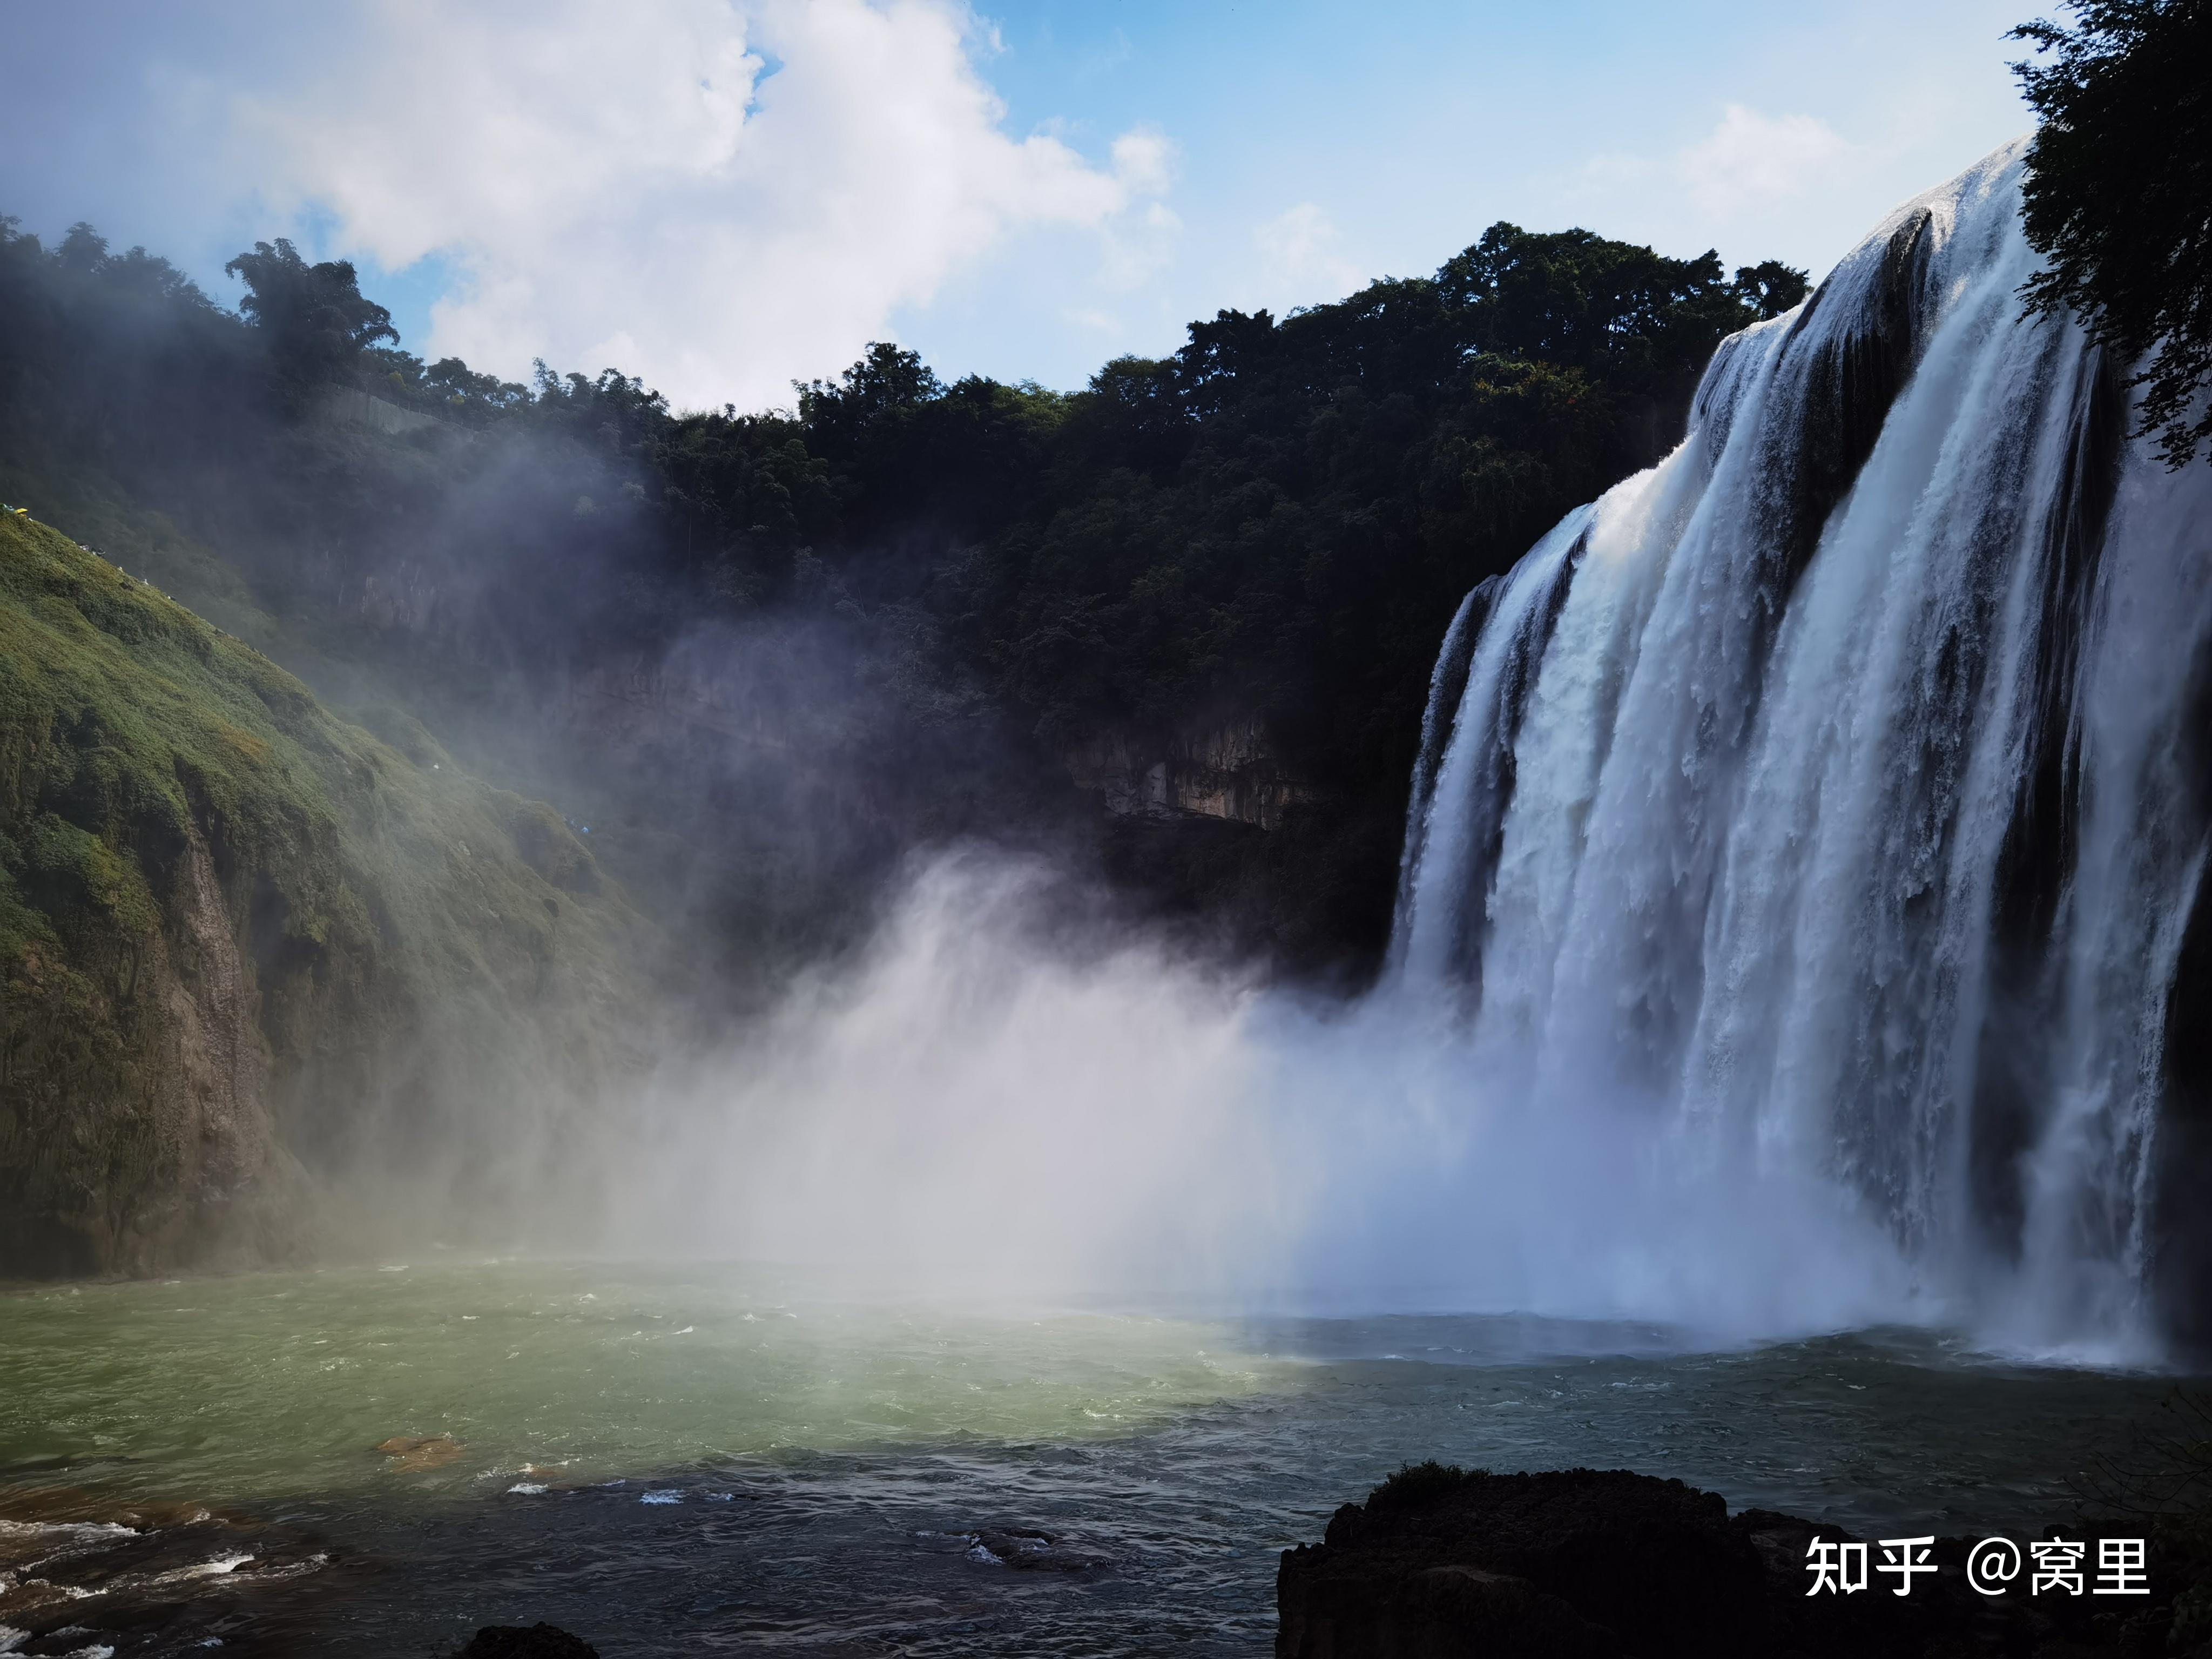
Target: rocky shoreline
<point x="1584" y="1564"/>
<point x="1437" y="1563"/>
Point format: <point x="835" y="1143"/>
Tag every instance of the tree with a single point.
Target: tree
<point x="2119" y="195"/>
<point x="887" y="382"/>
<point x="1770" y="288"/>
<point x="315" y="320"/>
<point x="1575" y="299"/>
<point x="83" y="250"/>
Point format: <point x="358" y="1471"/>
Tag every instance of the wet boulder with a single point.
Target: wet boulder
<point x="1573" y="1563"/>
<point x="1440" y="1563"/>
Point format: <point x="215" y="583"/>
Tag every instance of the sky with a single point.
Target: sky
<point x="724" y="196"/>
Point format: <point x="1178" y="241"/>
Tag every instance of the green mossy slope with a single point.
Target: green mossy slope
<point x="244" y="945"/>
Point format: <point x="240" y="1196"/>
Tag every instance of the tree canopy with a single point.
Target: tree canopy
<point x="315" y="317"/>
<point x="1272" y="524"/>
<point x="2119" y="194"/>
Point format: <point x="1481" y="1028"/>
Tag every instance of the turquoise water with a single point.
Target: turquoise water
<point x="258" y="1386"/>
<point x="743" y="1459"/>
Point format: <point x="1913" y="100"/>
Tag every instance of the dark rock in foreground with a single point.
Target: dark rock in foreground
<point x="1583" y="1563"/>
<point x="538" y="1641"/>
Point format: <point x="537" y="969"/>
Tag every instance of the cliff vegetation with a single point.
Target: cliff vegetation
<point x="250" y="952"/>
<point x="766" y="652"/>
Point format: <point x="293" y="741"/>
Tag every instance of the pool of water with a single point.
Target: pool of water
<point x="736" y="1460"/>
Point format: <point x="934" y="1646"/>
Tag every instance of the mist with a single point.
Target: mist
<point x="981" y="840"/>
<point x="695" y="1001"/>
<point x="1009" y="1097"/>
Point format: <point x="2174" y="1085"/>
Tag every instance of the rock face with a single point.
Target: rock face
<point x="345" y="405"/>
<point x="241" y="939"/>
<point x="1228" y="770"/>
<point x="1583" y="1563"/>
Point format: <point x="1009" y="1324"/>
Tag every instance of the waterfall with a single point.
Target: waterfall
<point x="1831" y="791"/>
<point x="1460" y="795"/>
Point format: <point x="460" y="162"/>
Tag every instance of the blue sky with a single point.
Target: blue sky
<point x="724" y="195"/>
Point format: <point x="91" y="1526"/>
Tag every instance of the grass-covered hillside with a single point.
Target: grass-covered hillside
<point x="251" y="954"/>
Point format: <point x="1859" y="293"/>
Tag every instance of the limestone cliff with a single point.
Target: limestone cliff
<point x="244" y="944"/>
<point x="1227" y="769"/>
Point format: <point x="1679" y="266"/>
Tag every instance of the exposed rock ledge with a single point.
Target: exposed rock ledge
<point x="1228" y="771"/>
<point x="1601" y="1565"/>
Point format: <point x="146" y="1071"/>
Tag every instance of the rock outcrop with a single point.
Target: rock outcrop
<point x="1228" y="771"/>
<point x="84" y="1572"/>
<point x="345" y="405"/>
<point x="1584" y="1564"/>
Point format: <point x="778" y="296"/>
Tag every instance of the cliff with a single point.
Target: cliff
<point x="247" y="949"/>
<point x="1228" y="771"/>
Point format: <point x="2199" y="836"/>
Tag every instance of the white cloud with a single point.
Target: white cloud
<point x="720" y="195"/>
<point x="1140" y="243"/>
<point x="1748" y="164"/>
<point x="1145" y="160"/>
<point x="1751" y="161"/>
<point x="1140" y="247"/>
<point x="1301" y="252"/>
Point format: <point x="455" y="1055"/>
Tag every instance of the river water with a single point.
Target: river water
<point x="725" y="1459"/>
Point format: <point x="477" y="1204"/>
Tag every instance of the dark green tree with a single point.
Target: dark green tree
<point x="1770" y="288"/>
<point x="314" y="317"/>
<point x="83" y="250"/>
<point x="2119" y="195"/>
<point x="884" y="385"/>
<point x="1575" y="299"/>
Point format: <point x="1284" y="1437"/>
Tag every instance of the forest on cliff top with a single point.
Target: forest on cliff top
<point x="763" y="654"/>
<point x="914" y="601"/>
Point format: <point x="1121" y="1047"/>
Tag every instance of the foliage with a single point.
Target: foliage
<point x="2161" y="1483"/>
<point x="2119" y="195"/>
<point x="316" y="322"/>
<point x="2164" y="1472"/>
<point x="414" y="937"/>
<point x="1274" y="523"/>
<point x="1420" y="1486"/>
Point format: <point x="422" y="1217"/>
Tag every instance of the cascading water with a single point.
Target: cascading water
<point x="1826" y="791"/>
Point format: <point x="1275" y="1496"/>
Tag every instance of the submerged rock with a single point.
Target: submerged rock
<point x="1584" y="1564"/>
<point x="538" y="1641"/>
<point x="1032" y="1552"/>
<point x="411" y="1452"/>
<point x="83" y="1572"/>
